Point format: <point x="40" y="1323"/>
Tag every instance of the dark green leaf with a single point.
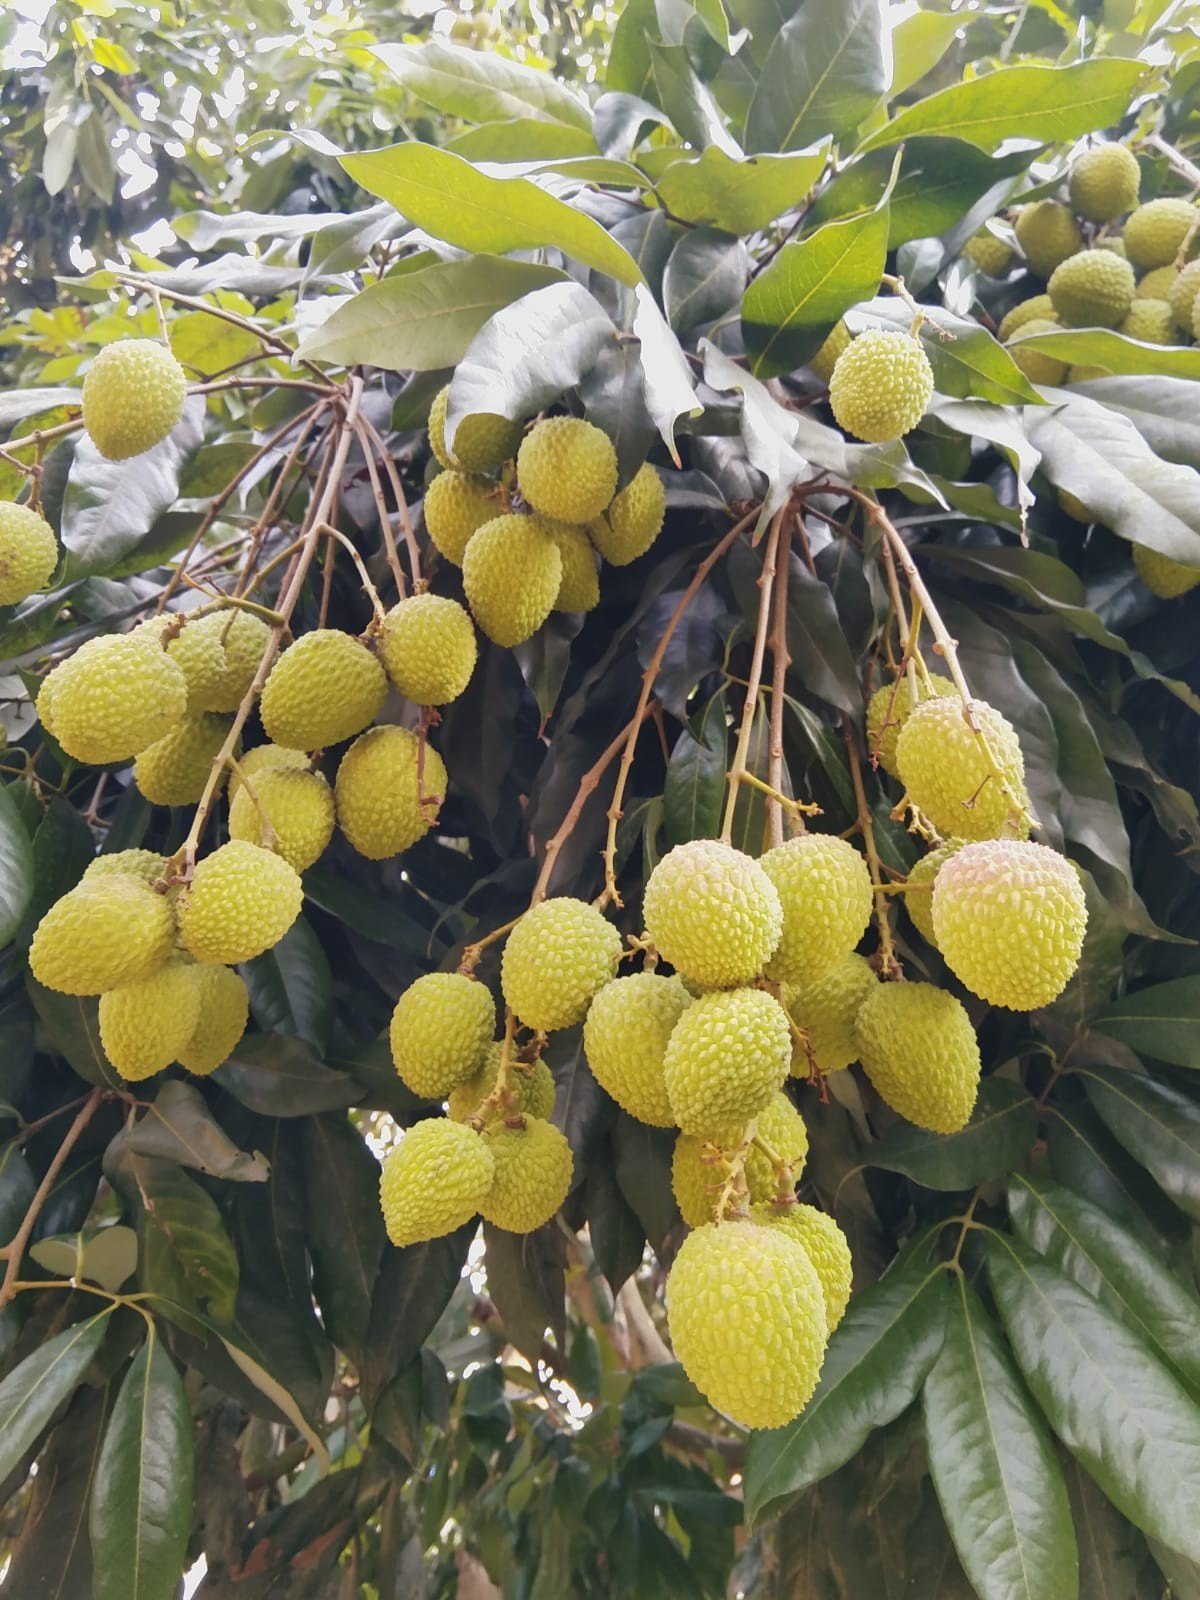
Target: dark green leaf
<point x="179" y="1127"/>
<point x="525" y="1279"/>
<point x="33" y="1392"/>
<point x="615" y="1232"/>
<point x="1162" y="1021"/>
<point x="687" y="100"/>
<point x="107" y="1256"/>
<point x="52" y="1559"/>
<point x="62" y="847"/>
<point x="480" y="85"/>
<point x="824" y="72"/>
<point x="184" y="1242"/>
<point x="1001" y="1132"/>
<point x="344" y="1226"/>
<point x="821" y="655"/>
<point x="740" y="196"/>
<point x="291" y="987"/>
<point x="282" y="1078"/>
<point x="16" y="865"/>
<point x="72" y="1026"/>
<point x="1157" y="1124"/>
<point x="410" y="1295"/>
<point x="694" y="793"/>
<point x="768" y="430"/>
<point x="1107" y="1543"/>
<point x="17" y="1187"/>
<point x="1086" y="1158"/>
<point x="704" y="278"/>
<point x="1105" y="347"/>
<point x="1157" y="408"/>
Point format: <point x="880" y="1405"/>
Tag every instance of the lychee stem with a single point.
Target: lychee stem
<point x="766" y="579"/>
<point x="889" y="966"/>
<point x="781" y="660"/>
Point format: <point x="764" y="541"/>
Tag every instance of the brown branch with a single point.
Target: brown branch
<point x="389" y="466"/>
<point x="780" y="661"/>
<point x="14" y="1251"/>
<point x="766" y="581"/>
<point x="889" y="966"/>
<point x="587" y="786"/>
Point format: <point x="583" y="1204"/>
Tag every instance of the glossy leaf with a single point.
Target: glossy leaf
<point x="17" y="1188"/>
<point x="283" y="1078"/>
<point x="184" y="1241"/>
<point x="344" y="1226"/>
<point x="1105" y="347"/>
<point x="705" y="276"/>
<point x="1157" y="1124"/>
<point x="16" y="865"/>
<point x="479" y="85"/>
<point x="33" y="1391"/>
<point x="824" y="72"/>
<point x="179" y="1127"/>
<point x="107" y="1256"/>
<point x="410" y="1295"/>
<point x="1001" y="1132"/>
<point x="740" y="196"/>
<point x="694" y="792"/>
<point x="53" y="1557"/>
<point x="666" y="377"/>
<point x="291" y="987"/>
<point x="1161" y="1021"/>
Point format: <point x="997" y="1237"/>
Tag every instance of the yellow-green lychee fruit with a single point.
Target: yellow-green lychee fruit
<point x="881" y="385"/>
<point x="427" y="646"/>
<point x="144" y="864"/>
<point x="1155" y="231"/>
<point x="434" y="1181"/>
<point x="825" y="891"/>
<point x="1047" y="234"/>
<point x="888" y="709"/>
<point x="174" y="770"/>
<point x="512" y="572"/>
<point x="1151" y="321"/>
<point x="1037" y="365"/>
<point x="1104" y="182"/>
<point x="324" y="688"/>
<point x="1010" y="917"/>
<point x="727" y="1055"/>
<point x="144" y="1025"/>
<point x="918" y="1048"/>
<point x="826" y="1009"/>
<point x="243" y="638"/>
<point x="918" y="888"/>
<point x="1166" y="578"/>
<point x="713" y="913"/>
<point x="224" y="1011"/>
<point x="634" y="519"/>
<point x="533" y="1173"/>
<point x="826" y="358"/>
<point x="133" y="396"/>
<point x="1115" y="243"/>
<point x="44" y="704"/>
<point x="782" y="1128"/>
<point x="441" y="1031"/>
<point x="1181" y="295"/>
<point x="991" y="254"/>
<point x="825" y="1245"/>
<point x="28" y="552"/>
<point x="287" y="811"/>
<point x="532" y="1087"/>
<point x="1156" y="285"/>
<point x="456" y="505"/>
<point x="948" y="776"/>
<point x="567" y="468"/>
<point x="560" y="954"/>
<point x="625" y="1041"/>
<point x="699" y="1167"/>
<point x="1092" y="289"/>
<point x="747" y="1319"/>
<point x="1038" y="307"/>
<point x="115" y="696"/>
<point x="388" y="794"/>
<point x="241" y="901"/>
<point x="198" y="653"/>
<point x="266" y="757"/>
<point x="579" y="586"/>
<point x="109" y="930"/>
<point x="482" y="442"/>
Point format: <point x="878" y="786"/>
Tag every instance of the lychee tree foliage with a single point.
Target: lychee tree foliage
<point x="792" y="890"/>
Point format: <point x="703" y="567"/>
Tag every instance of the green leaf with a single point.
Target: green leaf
<point x="33" y="1392"/>
<point x="877" y="1360"/>
<point x="142" y="1499"/>
<point x="179" y="1127"/>
<point x="919" y="41"/>
<point x="768" y="430"/>
<point x="209" y="344"/>
<point x="966" y="360"/>
<point x="452" y="200"/>
<point x="480" y="85"/>
<point x="410" y="1295"/>
<point x="1161" y="1021"/>
<point x="740" y="196"/>
<point x="824" y="72"/>
<point x="52" y="1559"/>
<point x="1157" y="1124"/>
<point x="694" y="791"/>
<point x="344" y="1226"/>
<point x="525" y="1279"/>
<point x="423" y="321"/>
<point x="666" y="377"/>
<point x="687" y="100"/>
<point x="16" y="864"/>
<point x="72" y="1025"/>
<point x="1108" y="1547"/>
<point x="615" y="1232"/>
<point x="1019" y="102"/>
<point x="993" y="1465"/>
<point x="1157" y="407"/>
<point x="107" y="1256"/>
<point x="63" y="846"/>
<point x="704" y="277"/>
<point x="17" y="1188"/>
<point x="819" y="649"/>
<point x="522" y="139"/>
<point x="18" y="404"/>
<point x="291" y="987"/>
<point x="1112" y="1404"/>
<point x="1105" y="347"/>
<point x="184" y="1242"/>
<point x="1001" y="1132"/>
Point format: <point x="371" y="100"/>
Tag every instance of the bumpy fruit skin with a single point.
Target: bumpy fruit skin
<point x="727" y="1055"/>
<point x="133" y="396"/>
<point x="881" y="385"/>
<point x="625" y="1040"/>
<point x="224" y="1011"/>
<point x="144" y="864"/>
<point x="560" y="954"/>
<point x="28" y="552"/>
<point x="699" y="1167"/>
<point x="456" y="505"/>
<point x="1166" y="578"/>
<point x="115" y="696"/>
<point x="434" y="1181"/>
<point x="481" y="443"/>
<point x="1151" y="322"/>
<point x="826" y="358"/>
<point x="1114" y="243"/>
<point x="534" y="1166"/>
<point x="579" y="587"/>
<point x="533" y="1088"/>
<point x="1156" y="284"/>
<point x="826" y="1009"/>
<point x="385" y="803"/>
<point x="174" y="770"/>
<point x="990" y="254"/>
<point x="887" y="712"/>
<point x="197" y="652"/>
<point x="512" y="572"/>
<point x="1038" y="307"/>
<point x="109" y="930"/>
<point x="946" y="773"/>
<point x="1037" y="366"/>
<point x="782" y="1127"/>
<point x="747" y="1320"/>
<point x="918" y="1048"/>
<point x="567" y="468"/>
<point x="1155" y="231"/>
<point x="634" y="519"/>
<point x="825" y="891"/>
<point x="145" y="1025"/>
<point x="1181" y="295"/>
<point x="918" y="888"/>
<point x="1092" y="289"/>
<point x="427" y="646"/>
<point x="297" y="807"/>
<point x="1104" y="182"/>
<point x="265" y="757"/>
<point x="240" y="902"/>
<point x="441" y="1032"/>
<point x="1047" y="234"/>
<point x="826" y="1247"/>
<point x="1010" y="918"/>
<point x="324" y="688"/>
<point x="713" y="913"/>
<point x="242" y="637"/>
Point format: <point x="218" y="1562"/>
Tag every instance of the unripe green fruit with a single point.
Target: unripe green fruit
<point x="567" y="468"/>
<point x="198" y="653"/>
<point x="114" y="697"/>
<point x="532" y="1088"/>
<point x="1155" y="231"/>
<point x="427" y="646"/>
<point x="634" y="519"/>
<point x="287" y="811"/>
<point x="28" y="553"/>
<point x="1092" y="289"/>
<point x="1181" y="295"/>
<point x="110" y="929"/>
<point x="1166" y="578"/>
<point x="1156" y="285"/>
<point x="240" y="902"/>
<point x="990" y="254"/>
<point x="147" y="865"/>
<point x="560" y="954"/>
<point x="1114" y="242"/>
<point x="512" y="572"/>
<point x="133" y="396"/>
<point x="1151" y="321"/>
<point x="387" y="797"/>
<point x="1047" y="234"/>
<point x="145" y="1025"/>
<point x="579" y="587"/>
<point x="699" y="1167"/>
<point x="727" y="1055"/>
<point x="1104" y="182"/>
<point x="434" y="1181"/>
<point x="1038" y="307"/>
<point x="747" y="1320"/>
<point x="825" y="1245"/>
<point x="224" y="1010"/>
<point x="456" y="505"/>
<point x="533" y="1173"/>
<point x="441" y="1032"/>
<point x="1010" y="918"/>
<point x="263" y="758"/>
<point x="826" y="358"/>
<point x="625" y="1041"/>
<point x="918" y="1048"/>
<point x="946" y="772"/>
<point x="482" y="442"/>
<point x="713" y="913"/>
<point x="918" y="888"/>
<point x="324" y="688"/>
<point x="243" y="638"/>
<point x="888" y="709"/>
<point x="1037" y="365"/>
<point x="825" y="891"/>
<point x="826" y="1009"/>
<point x="881" y="385"/>
<point x="175" y="769"/>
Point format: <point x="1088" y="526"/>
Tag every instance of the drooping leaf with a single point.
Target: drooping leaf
<point x="1001" y="1131"/>
<point x="666" y="377"/>
<point x="344" y="1226"/>
<point x="186" y="1251"/>
<point x="740" y="196"/>
<point x="291" y="987"/>
<point x="1161" y="1021"/>
<point x="410" y="1295"/>
<point x="33" y="1391"/>
<point x="705" y="276"/>
<point x="1156" y="1123"/>
<point x="282" y="1077"/>
<point x="768" y="431"/>
<point x="824" y="72"/>
<point x="479" y="85"/>
<point x="694" y="792"/>
<point x="52" y="1558"/>
<point x="525" y="1276"/>
<point x="179" y="1127"/>
<point x="16" y="865"/>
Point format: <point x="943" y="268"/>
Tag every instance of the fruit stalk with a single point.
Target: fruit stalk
<point x="781" y="660"/>
<point x="587" y="786"/>
<point x="16" y="1248"/>
<point x="766" y="581"/>
<point x="889" y="966"/>
<point x="367" y="431"/>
